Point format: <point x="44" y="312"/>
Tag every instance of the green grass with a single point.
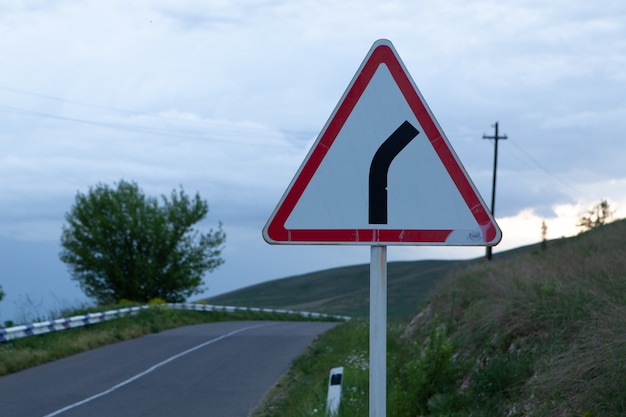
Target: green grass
<point x="412" y="376"/>
<point x="540" y="334"/>
<point x="303" y="389"/>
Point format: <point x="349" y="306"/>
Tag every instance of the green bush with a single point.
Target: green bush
<point x="424" y="374"/>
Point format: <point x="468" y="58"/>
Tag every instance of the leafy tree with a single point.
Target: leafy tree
<point x="2" y="294"/>
<point x="599" y="214"/>
<point x="120" y="244"/>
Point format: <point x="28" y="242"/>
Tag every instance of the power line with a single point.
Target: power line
<point x="63" y="100"/>
<point x="546" y="170"/>
<point x="231" y="131"/>
<point x="134" y="128"/>
<point x="168" y="132"/>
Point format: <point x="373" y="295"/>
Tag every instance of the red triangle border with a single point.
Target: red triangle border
<point x="382" y="53"/>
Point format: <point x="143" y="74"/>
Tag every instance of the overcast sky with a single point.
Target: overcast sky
<point x="225" y="98"/>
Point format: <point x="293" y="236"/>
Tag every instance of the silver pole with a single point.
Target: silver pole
<point x="378" y="331"/>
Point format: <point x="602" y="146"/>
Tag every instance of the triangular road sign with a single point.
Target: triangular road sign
<point x="382" y="172"/>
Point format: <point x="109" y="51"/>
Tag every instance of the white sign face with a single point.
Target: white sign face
<point x="382" y="172"/>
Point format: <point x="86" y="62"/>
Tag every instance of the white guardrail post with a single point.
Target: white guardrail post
<point x="334" y="391"/>
<point x="26" y="330"/>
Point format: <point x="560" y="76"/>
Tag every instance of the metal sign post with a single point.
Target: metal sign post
<point x="378" y="331"/>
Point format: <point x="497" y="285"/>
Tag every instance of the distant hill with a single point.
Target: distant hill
<point x="345" y="290"/>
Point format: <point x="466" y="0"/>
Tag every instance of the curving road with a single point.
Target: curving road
<point x="218" y="369"/>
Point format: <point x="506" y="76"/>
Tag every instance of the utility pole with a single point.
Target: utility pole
<point x="496" y="138"/>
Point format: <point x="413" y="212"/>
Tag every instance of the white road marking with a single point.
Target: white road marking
<point x="152" y="368"/>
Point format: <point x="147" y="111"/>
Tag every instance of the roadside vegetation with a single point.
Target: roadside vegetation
<point x="539" y="334"/>
<point x="119" y="243"/>
<point x="542" y="334"/>
<point x="303" y="389"/>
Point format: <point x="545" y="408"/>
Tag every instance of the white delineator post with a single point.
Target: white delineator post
<point x="378" y="331"/>
<point x="333" y="399"/>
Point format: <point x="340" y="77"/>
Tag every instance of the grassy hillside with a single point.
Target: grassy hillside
<point x="539" y="334"/>
<point x="346" y="290"/>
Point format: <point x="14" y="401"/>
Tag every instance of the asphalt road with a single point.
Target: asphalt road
<point x="219" y="369"/>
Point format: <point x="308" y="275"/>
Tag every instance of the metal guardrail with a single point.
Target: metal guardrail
<point x="33" y="329"/>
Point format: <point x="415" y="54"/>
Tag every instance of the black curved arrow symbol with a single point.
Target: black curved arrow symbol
<point x="380" y="168"/>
